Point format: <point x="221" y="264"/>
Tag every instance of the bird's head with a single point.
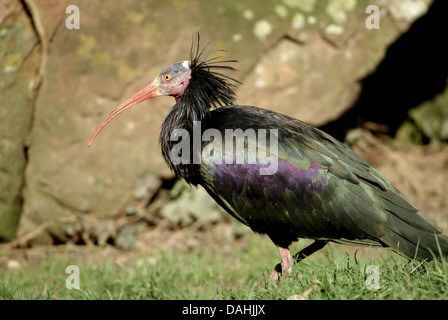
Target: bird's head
<point x="193" y="82"/>
<point x="171" y="82"/>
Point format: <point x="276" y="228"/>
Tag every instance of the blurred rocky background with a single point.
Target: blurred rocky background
<point x="382" y="91"/>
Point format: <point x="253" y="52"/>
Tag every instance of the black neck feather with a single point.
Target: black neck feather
<point x="208" y="88"/>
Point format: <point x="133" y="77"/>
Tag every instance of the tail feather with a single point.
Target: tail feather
<point x="400" y="206"/>
<point x="407" y="230"/>
<point x="412" y="241"/>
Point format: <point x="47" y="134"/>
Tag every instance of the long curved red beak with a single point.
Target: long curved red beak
<point x="148" y="92"/>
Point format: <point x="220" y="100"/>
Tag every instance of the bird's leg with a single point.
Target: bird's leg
<point x="286" y="265"/>
<point x="306" y="252"/>
<point x="283" y="267"/>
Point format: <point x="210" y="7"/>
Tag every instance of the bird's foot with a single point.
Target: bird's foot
<point x="285" y="267"/>
<point x="276" y="273"/>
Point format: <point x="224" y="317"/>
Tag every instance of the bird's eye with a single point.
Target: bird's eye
<point x="167" y="77"/>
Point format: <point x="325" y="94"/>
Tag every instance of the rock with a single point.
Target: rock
<point x="18" y="64"/>
<point x="431" y="117"/>
<point x="313" y="72"/>
<point x="189" y="205"/>
<point x="13" y="264"/>
<point x="105" y="230"/>
<point x="428" y="122"/>
<point x="125" y="238"/>
<point x="130" y="210"/>
<point x="408" y="10"/>
<point x="146" y="186"/>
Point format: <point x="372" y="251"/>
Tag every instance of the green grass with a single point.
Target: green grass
<point x="231" y="273"/>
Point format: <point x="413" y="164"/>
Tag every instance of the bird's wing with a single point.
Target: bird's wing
<point x="321" y="188"/>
